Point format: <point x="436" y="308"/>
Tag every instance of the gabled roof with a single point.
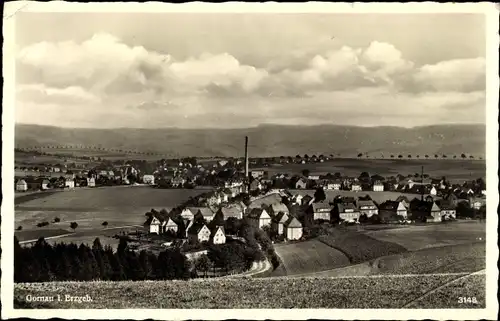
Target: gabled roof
<point x="293" y="223"/>
<point x="363" y="203"/>
<point x="389" y="205"/>
<point x="346" y="206"/>
<point x="195" y="228"/>
<point x="231" y="211"/>
<point x="321" y="206"/>
<point x="214" y="230"/>
<point x="21" y="181"/>
<point x="280" y="207"/>
<point x="257" y="213"/>
<point x="281" y="218"/>
<point x="205" y="211"/>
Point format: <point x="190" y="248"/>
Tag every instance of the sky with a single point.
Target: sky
<point x="186" y="70"/>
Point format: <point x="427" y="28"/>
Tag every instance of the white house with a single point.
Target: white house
<point x="199" y="233"/>
<point x="297" y="199"/>
<point x="348" y="212"/>
<point x="188" y="214"/>
<point x="218" y="236"/>
<point x="367" y="207"/>
<point x="335" y="185"/>
<point x="69" y="183"/>
<point x="355" y="187"/>
<point x="278" y="223"/>
<point x="433" y="191"/>
<point x="148" y="179"/>
<point x="171" y="226"/>
<point x="321" y="211"/>
<point x="45" y="184"/>
<point x="378" y="187"/>
<point x="21" y="185"/>
<point x="91" y="182"/>
<point x="259" y="217"/>
<point x="155" y="224"/>
<point x="293" y="229"/>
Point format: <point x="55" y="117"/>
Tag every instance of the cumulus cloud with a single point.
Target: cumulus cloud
<point x="133" y="81"/>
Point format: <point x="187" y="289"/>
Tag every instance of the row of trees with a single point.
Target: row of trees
<point x="61" y="262"/>
<point x="436" y="156"/>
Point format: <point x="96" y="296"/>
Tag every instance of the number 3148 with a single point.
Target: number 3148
<point x="468" y="300"/>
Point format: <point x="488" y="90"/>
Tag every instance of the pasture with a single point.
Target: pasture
<point x="122" y="207"/>
<point x="432" y="235"/>
<point x="309" y="256"/>
<point x="453" y="169"/>
<point x="389" y="292"/>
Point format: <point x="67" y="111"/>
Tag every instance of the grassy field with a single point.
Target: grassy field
<point x="298" y="293"/>
<point x="309" y="256"/>
<point x="359" y="247"/>
<point x="121" y="207"/>
<point x="453" y="169"/>
<point x="435" y="235"/>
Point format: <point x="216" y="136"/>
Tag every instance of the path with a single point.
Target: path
<point x="256" y="269"/>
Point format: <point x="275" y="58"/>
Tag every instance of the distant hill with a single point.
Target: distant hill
<point x="268" y="140"/>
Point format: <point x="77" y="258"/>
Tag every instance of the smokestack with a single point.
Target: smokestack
<point x="246" y="157"/>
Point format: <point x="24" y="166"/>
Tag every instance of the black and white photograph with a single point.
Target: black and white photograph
<point x="268" y="157"/>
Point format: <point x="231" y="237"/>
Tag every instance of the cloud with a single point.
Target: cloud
<point x="326" y="82"/>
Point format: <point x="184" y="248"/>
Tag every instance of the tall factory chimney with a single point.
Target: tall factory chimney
<point x="246" y="157"/>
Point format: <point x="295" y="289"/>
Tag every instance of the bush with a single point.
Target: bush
<point x="42" y="224"/>
<point x="19" y="228"/>
<point x="57" y="220"/>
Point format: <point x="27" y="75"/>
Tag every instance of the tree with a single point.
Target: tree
<point x="436" y="156"/>
<point x="19" y="228"/>
<point x="392" y="156"/>
<point x="360" y="155"/>
<point x="105" y="224"/>
<point x="409" y="155"/>
<point x="426" y="156"/>
<point x="73" y="226"/>
<point x="463" y="155"/>
<point x="203" y="264"/>
<point x="306" y="172"/>
<point x="57" y="220"/>
<point x="400" y="156"/>
<point x="319" y="195"/>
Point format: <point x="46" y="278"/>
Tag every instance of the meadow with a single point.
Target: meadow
<point x="309" y="256"/>
<point x="453" y="169"/>
<point x="123" y="207"/>
<point x="239" y="293"/>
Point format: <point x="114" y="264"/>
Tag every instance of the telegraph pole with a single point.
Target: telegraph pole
<point x="422" y="182"/>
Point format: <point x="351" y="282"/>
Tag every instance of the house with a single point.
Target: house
<point x="278" y="222"/>
<point x="259" y="217"/>
<point x="90" y="181"/>
<point x="334" y="185"/>
<point x="425" y="211"/>
<point x="293" y="229"/>
<point x="275" y="209"/>
<point x="448" y="210"/>
<point x="255" y="185"/>
<point x="178" y="181"/>
<point x="69" y="183"/>
<point x="390" y="210"/>
<point x="223" y="163"/>
<point x="257" y="173"/>
<point x="188" y="213"/>
<point x="233" y="183"/>
<point x="155" y="223"/>
<point x="378" y="186"/>
<point x="321" y="211"/>
<point x="148" y="179"/>
<point x="307" y="199"/>
<point x="347" y="212"/>
<point x="367" y="208"/>
<point x="403" y="199"/>
<point x="217" y="235"/>
<point x="433" y="191"/>
<point x="297" y="199"/>
<point x="356" y="187"/>
<point x="301" y="184"/>
<point x="231" y="211"/>
<point x="205" y="213"/>
<point x="199" y="233"/>
<point x="34" y="184"/>
<point x="45" y="184"/>
<point x="21" y="185"/>
<point x="313" y="177"/>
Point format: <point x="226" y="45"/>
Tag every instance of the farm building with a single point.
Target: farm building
<point x="278" y="222"/>
<point x="217" y="235"/>
<point x="378" y="186"/>
<point x="259" y="217"/>
<point x="148" y="179"/>
<point x="293" y="229"/>
<point x="199" y="233"/>
<point x="301" y="184"/>
<point x="205" y="213"/>
<point x="368" y="208"/>
<point x="347" y="212"/>
<point x="231" y="211"/>
<point x="321" y="211"/>
<point x="21" y="185"/>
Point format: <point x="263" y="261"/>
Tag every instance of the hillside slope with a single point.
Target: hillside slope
<point x="267" y="140"/>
